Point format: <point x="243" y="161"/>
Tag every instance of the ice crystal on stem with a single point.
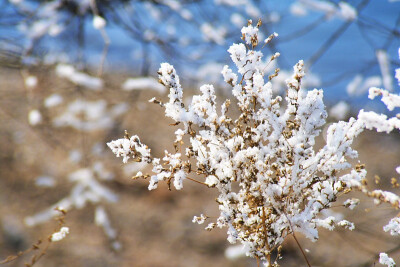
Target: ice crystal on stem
<point x="271" y="181"/>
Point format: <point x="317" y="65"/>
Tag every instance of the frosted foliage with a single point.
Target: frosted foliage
<point x="380" y="121"/>
<point x="346" y="224"/>
<point x="393" y="226"/>
<point x="351" y="203"/>
<point x="250" y="34"/>
<point x="384" y="259"/>
<point x="384" y="124"/>
<point x="130" y="147"/>
<point x="392" y="101"/>
<point x="271" y="181"/>
<point x="199" y="219"/>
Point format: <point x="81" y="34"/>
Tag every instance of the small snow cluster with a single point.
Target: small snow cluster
<point x="130" y="147"/>
<point x="393" y="226"/>
<point x="60" y="235"/>
<point x="351" y="203"/>
<point x="31" y="81"/>
<point x="99" y="22"/>
<point x="271" y="181"/>
<point x="384" y="259"/>
<point x="34" y="117"/>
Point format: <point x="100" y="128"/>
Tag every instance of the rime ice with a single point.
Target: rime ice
<point x="270" y="180"/>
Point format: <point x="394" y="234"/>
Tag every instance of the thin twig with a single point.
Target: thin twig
<point x="194" y="180"/>
<point x="302" y="251"/>
<point x="298" y="243"/>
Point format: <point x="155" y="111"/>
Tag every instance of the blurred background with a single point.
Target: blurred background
<point x="76" y="74"/>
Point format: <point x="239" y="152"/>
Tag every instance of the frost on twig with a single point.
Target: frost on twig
<point x="271" y="181"/>
<point x="381" y="123"/>
<point x="130" y="147"/>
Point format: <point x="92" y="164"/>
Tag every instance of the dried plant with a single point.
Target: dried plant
<point x="271" y="180"/>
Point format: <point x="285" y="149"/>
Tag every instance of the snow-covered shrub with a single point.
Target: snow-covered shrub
<point x="271" y="180"/>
